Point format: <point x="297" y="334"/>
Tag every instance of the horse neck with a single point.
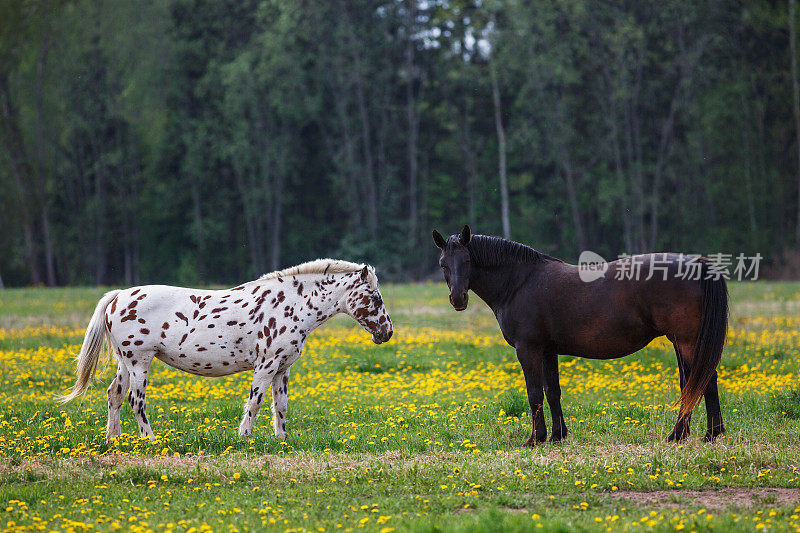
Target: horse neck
<point x="495" y="285"/>
<point x="328" y="300"/>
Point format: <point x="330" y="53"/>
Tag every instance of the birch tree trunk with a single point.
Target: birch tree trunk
<point x="342" y="146"/>
<point x="501" y="146"/>
<point x="48" y="245"/>
<point x="795" y="102"/>
<point x="198" y="231"/>
<point x="251" y="222"/>
<point x="413" y="130"/>
<point x="44" y="190"/>
<point x="277" y="220"/>
<point x="747" y="148"/>
<point x="99" y="221"/>
<point x="569" y="178"/>
<point x="20" y="171"/>
<point x="366" y="142"/>
<point x="368" y="174"/>
<point x="469" y="162"/>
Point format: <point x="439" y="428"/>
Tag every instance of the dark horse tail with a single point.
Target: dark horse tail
<point x="710" y="340"/>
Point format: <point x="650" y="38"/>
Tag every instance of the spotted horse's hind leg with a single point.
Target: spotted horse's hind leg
<point x="116" y="396"/>
<point x="138" y="367"/>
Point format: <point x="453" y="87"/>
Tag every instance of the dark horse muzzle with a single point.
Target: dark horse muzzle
<point x="459" y="302"/>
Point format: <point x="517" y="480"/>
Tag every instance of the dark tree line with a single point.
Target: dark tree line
<point x="209" y="141"/>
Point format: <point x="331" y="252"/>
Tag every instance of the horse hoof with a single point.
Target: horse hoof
<point x="559" y="434"/>
<point x="711" y="436"/>
<point x="678" y="437"/>
<point x="535" y="441"/>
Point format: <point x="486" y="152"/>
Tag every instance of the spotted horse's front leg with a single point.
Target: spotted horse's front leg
<point x="280" y="400"/>
<point x="261" y="381"/>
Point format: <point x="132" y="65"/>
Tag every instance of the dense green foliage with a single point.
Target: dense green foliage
<point x="208" y="141"/>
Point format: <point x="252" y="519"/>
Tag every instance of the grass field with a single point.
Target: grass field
<point x="421" y="433"/>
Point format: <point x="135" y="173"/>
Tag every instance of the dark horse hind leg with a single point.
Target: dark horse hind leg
<point x="531" y="361"/>
<point x="713" y="412"/>
<point x="552" y="390"/>
<point x="683" y="425"/>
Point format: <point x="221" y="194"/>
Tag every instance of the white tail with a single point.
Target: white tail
<point x="91" y="348"/>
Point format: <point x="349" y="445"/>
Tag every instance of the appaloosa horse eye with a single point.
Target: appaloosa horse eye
<point x="260" y="326"/>
<point x="545" y="308"/>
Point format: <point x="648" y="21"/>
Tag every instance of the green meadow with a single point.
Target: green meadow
<point x="422" y="433"/>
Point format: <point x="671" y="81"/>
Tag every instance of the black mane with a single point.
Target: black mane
<point x="486" y="251"/>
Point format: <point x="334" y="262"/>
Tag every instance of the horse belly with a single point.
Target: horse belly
<point x="610" y="349"/>
<point x="206" y="363"/>
<point x="217" y="351"/>
<point x="603" y="339"/>
<point x="197" y="331"/>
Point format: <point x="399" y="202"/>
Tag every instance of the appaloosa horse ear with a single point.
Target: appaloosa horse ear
<point x="465" y="236"/>
<point x="364" y="273"/>
<point x="439" y="240"/>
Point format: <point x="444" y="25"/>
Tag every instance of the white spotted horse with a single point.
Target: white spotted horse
<point x="260" y="326"/>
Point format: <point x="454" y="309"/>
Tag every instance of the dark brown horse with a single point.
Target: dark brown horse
<point x="544" y="308"/>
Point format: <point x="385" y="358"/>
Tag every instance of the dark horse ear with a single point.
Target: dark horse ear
<point x="465" y="236"/>
<point x="364" y="273"/>
<point x="439" y="240"/>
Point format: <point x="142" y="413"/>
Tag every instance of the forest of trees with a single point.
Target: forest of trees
<point x="209" y="141"/>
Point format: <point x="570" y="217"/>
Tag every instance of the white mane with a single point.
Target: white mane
<point x="323" y="266"/>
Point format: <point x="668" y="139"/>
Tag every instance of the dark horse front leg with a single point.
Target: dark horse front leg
<point x="532" y="360"/>
<point x="552" y="390"/>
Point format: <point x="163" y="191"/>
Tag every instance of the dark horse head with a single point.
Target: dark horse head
<point x="467" y="259"/>
<point x="455" y="263"/>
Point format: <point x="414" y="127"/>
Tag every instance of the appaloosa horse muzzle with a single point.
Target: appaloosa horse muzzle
<point x="379" y="337"/>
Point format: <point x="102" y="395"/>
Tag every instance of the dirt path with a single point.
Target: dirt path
<point x="711" y="499"/>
